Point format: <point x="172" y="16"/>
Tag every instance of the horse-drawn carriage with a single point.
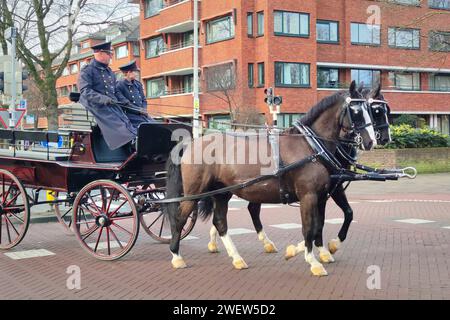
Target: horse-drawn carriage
<point x="102" y="196"/>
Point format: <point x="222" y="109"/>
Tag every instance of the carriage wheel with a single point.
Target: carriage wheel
<point x="157" y="226"/>
<point x="105" y="220"/>
<point x="14" y="210"/>
<point x="64" y="212"/>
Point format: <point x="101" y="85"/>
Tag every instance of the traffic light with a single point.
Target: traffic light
<point x="23" y="86"/>
<point x="270" y="99"/>
<point x="2" y="81"/>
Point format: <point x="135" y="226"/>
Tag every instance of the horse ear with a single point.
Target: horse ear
<point x="376" y="92"/>
<point x="352" y="89"/>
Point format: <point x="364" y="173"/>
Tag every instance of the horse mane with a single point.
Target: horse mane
<point x="313" y="113"/>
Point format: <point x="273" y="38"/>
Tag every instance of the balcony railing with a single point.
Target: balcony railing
<point x="177" y="46"/>
<point x="170" y="3"/>
<point x="177" y="91"/>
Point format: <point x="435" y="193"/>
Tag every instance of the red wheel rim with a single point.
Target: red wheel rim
<point x="14" y="210"/>
<point x="64" y="214"/>
<point x="105" y="220"/>
<point x="157" y="226"/>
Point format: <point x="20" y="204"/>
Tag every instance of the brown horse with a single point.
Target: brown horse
<point x="202" y="169"/>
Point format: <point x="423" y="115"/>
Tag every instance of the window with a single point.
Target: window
<point x="404" y="38"/>
<point x="119" y="75"/>
<point x="188" y="80"/>
<point x="261" y="74"/>
<point x="291" y="23"/>
<point x="440" y="82"/>
<point x="439" y="4"/>
<point x="286" y="120"/>
<point x="408" y="2"/>
<point x="85" y="45"/>
<point x="327" y="31"/>
<point x="121" y="52"/>
<point x="156" y="87"/>
<point x="368" y="34"/>
<point x="439" y="41"/>
<point x="327" y="78"/>
<point x="73" y="68"/>
<point x="153" y="47"/>
<point x="220" y="29"/>
<point x="64" y="91"/>
<point x="220" y="78"/>
<point x="152" y="7"/>
<point x="250" y="75"/>
<point x="250" y="24"/>
<point x="405" y="81"/>
<point x="136" y="49"/>
<point x="74" y="88"/>
<point x="66" y="71"/>
<point x="366" y="77"/>
<point x="291" y="74"/>
<point x="188" y="38"/>
<point x="83" y="63"/>
<point x="260" y="20"/>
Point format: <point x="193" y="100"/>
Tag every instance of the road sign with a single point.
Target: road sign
<point x="23" y="104"/>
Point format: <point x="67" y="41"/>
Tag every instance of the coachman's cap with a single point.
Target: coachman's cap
<point x="129" y="67"/>
<point x="104" y="47"/>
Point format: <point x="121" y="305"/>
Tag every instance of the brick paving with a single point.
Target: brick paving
<point x="414" y="259"/>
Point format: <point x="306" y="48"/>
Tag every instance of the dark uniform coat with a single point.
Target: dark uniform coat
<point x="133" y="92"/>
<point x="97" y="84"/>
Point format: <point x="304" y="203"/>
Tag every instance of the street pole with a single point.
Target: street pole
<point x="196" y="114"/>
<point x="12" y="33"/>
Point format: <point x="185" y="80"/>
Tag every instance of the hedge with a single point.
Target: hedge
<point x="405" y="136"/>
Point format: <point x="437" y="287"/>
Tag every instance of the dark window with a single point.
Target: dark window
<point x="291" y="74"/>
<point x="440" y="82"/>
<point x="250" y="24"/>
<point x="405" y="80"/>
<point x="404" y="38"/>
<point x="291" y="23"/>
<point x="220" y="78"/>
<point x="153" y="47"/>
<point x="439" y="41"/>
<point x="152" y="7"/>
<point x="188" y="81"/>
<point x="220" y="29"/>
<point x="260" y="22"/>
<point x="407" y="2"/>
<point x="261" y="74"/>
<point x="366" y="77"/>
<point x="156" y="87"/>
<point x="327" y="31"/>
<point x="439" y="4"/>
<point x="250" y="75"/>
<point x="368" y="34"/>
<point x="327" y="78"/>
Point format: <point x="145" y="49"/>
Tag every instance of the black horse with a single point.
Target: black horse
<point x="309" y="183"/>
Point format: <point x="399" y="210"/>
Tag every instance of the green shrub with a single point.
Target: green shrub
<point x="405" y="136"/>
<point x="409" y="119"/>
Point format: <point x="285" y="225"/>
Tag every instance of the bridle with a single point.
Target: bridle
<point x="354" y="131"/>
<point x="377" y="126"/>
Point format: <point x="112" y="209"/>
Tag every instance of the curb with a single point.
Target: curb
<point x="43" y="219"/>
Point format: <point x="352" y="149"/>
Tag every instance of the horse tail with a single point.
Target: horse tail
<point x="205" y="208"/>
<point x="174" y="187"/>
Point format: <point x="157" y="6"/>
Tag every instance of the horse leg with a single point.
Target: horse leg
<point x="220" y="222"/>
<point x="178" y="218"/>
<point x="255" y="210"/>
<point x="324" y="255"/>
<point x="341" y="200"/>
<point x="212" y="245"/>
<point x="310" y="222"/>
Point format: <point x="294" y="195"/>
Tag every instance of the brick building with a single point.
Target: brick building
<point x="304" y="49"/>
<point x="125" y="42"/>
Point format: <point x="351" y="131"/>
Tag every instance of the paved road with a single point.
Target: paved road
<point x="412" y="255"/>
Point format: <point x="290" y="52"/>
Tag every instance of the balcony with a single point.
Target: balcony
<point x="176" y="17"/>
<point x="177" y="46"/>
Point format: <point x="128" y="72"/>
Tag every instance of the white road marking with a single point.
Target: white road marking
<point x="414" y="221"/>
<point x="236" y="231"/>
<point x="446" y="227"/>
<point x="287" y="226"/>
<point x="336" y="221"/>
<point x="270" y="206"/>
<point x="104" y="245"/>
<point x="406" y="200"/>
<point x="18" y="255"/>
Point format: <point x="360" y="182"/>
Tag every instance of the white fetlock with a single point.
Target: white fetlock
<point x="178" y="262"/>
<point x="269" y="246"/>
<point x="325" y="256"/>
<point x="334" y="245"/>
<point x="318" y="270"/>
<point x="239" y="264"/>
<point x="212" y="247"/>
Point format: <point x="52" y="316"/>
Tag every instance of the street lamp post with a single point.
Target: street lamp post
<point x="196" y="111"/>
<point x="11" y="35"/>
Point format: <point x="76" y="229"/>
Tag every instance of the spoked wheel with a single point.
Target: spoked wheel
<point x="64" y="212"/>
<point x="105" y="220"/>
<point x="156" y="225"/>
<point x="14" y="210"/>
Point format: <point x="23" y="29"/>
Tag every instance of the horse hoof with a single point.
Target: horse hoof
<point x="270" y="248"/>
<point x="326" y="257"/>
<point x="319" y="270"/>
<point x="301" y="246"/>
<point x="212" y="247"/>
<point x="179" y="264"/>
<point x="333" y="245"/>
<point x="240" y="264"/>
<point x="291" y="251"/>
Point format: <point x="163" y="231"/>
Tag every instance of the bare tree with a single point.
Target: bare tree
<point x="47" y="29"/>
<point x="223" y="84"/>
<point x="35" y="102"/>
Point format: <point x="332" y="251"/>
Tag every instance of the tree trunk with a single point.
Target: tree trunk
<point x="51" y="102"/>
